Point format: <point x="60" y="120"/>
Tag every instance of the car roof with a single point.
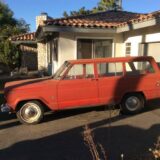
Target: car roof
<point x="113" y="59"/>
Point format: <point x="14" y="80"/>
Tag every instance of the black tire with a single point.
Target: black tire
<point x="132" y="103"/>
<point x="30" y="113"/>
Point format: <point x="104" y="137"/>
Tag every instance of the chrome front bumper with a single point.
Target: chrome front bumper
<point x="5" y="108"/>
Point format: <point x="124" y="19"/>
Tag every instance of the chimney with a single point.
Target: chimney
<point x="41" y="18"/>
<point x="118" y="4"/>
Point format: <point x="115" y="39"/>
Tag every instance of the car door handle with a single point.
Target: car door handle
<point x="94" y="79"/>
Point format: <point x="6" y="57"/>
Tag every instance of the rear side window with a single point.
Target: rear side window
<point x="110" y="69"/>
<point x="89" y="69"/>
<point x="138" y="68"/>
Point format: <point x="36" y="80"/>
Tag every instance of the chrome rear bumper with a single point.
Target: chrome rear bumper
<point x="5" y="108"/>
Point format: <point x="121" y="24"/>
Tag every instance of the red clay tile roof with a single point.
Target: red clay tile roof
<point x="108" y="19"/>
<point x="141" y="18"/>
<point x="24" y="37"/>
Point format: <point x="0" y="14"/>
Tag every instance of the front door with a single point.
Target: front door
<point x="78" y="88"/>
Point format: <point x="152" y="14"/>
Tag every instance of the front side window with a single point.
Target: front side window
<point x="80" y="71"/>
<point x="140" y="67"/>
<point x="61" y="71"/>
<point x="76" y="72"/>
<point x="110" y="69"/>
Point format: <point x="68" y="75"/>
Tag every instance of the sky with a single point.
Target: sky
<point x="29" y="9"/>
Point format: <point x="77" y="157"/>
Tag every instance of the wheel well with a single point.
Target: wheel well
<point x="140" y="92"/>
<point x="20" y="104"/>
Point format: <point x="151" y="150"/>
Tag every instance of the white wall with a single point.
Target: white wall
<point x="119" y="50"/>
<point x="66" y="48"/>
<point x="68" y="44"/>
<point x="145" y="35"/>
<point x="154" y="37"/>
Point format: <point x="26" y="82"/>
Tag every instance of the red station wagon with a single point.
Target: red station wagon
<point x="128" y="81"/>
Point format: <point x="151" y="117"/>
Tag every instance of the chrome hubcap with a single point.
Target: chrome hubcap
<point x="132" y="103"/>
<point x="30" y="112"/>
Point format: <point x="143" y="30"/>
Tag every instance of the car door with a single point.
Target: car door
<point x="79" y="87"/>
<point x="109" y="76"/>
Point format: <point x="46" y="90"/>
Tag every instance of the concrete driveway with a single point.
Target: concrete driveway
<point x="59" y="136"/>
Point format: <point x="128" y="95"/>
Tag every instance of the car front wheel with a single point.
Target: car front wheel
<point x="30" y="113"/>
<point x="132" y="103"/>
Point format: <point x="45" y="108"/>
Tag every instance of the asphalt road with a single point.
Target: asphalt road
<point x="60" y="135"/>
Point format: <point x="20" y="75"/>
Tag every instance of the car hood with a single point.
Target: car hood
<point x="27" y="84"/>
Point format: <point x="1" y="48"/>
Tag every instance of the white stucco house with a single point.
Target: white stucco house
<point x="104" y="34"/>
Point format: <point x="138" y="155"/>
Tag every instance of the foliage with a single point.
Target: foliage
<point x="10" y="26"/>
<point x="103" y="5"/>
<point x="81" y="11"/>
<point x="9" y="54"/>
<point x="156" y="150"/>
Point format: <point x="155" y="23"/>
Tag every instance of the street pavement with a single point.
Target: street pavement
<point x="60" y="135"/>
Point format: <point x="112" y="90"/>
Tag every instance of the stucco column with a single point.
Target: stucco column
<point x="41" y="46"/>
<point x="42" y="56"/>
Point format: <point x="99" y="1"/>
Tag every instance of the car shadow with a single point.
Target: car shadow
<point x="7" y="116"/>
<point x="51" y="116"/>
<point x="71" y="112"/>
<point x="8" y="122"/>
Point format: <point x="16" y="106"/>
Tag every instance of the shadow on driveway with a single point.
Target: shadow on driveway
<point x="69" y="145"/>
<point x="133" y="142"/>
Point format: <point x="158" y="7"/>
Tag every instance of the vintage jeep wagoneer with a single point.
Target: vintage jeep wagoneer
<point x="129" y="81"/>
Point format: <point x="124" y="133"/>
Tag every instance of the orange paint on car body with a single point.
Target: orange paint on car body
<point x="89" y="82"/>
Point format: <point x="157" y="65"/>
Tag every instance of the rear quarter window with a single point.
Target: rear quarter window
<point x="139" y="68"/>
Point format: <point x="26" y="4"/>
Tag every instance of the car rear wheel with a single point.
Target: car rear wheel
<point x="132" y="103"/>
<point x="30" y="113"/>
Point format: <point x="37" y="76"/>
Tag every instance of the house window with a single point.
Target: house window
<point x="89" y="48"/>
<point x="84" y="48"/>
<point x="128" y="49"/>
<point x="52" y="51"/>
<point x="55" y="49"/>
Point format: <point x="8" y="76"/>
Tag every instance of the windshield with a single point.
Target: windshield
<point x="60" y="72"/>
